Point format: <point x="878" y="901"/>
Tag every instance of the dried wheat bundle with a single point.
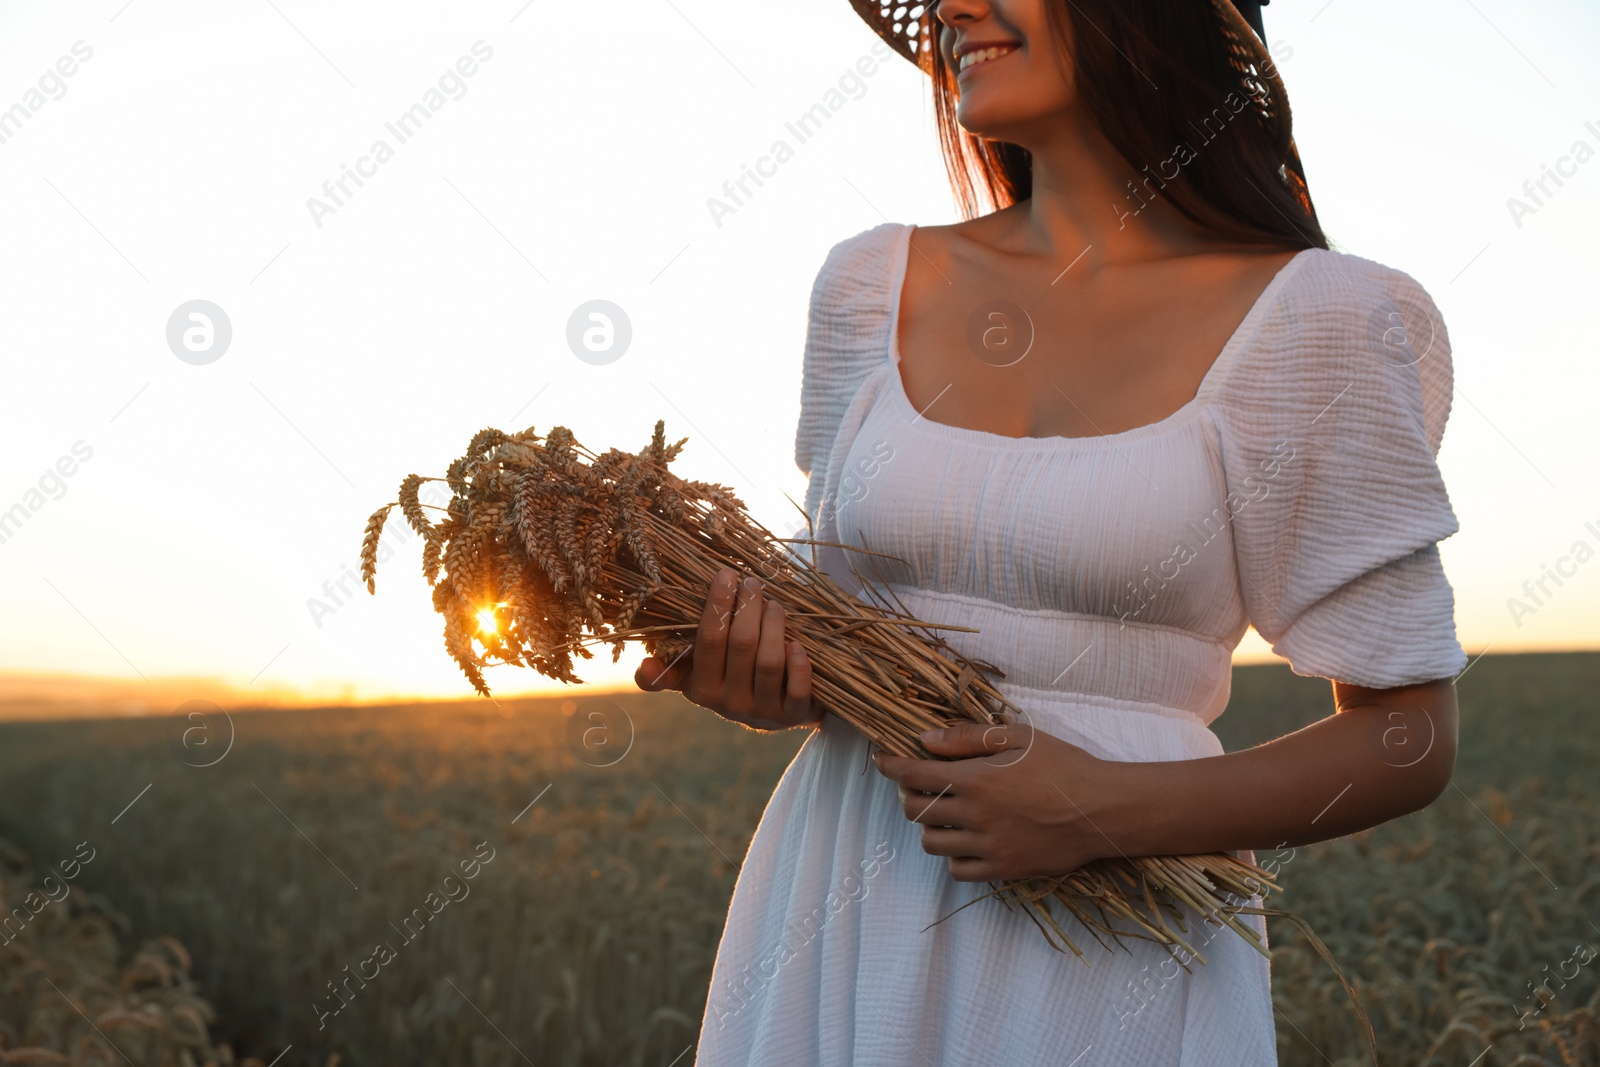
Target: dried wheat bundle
<point x="544" y="542"/>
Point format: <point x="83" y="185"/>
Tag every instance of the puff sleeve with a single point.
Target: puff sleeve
<point x="1329" y="433"/>
<point x="846" y="334"/>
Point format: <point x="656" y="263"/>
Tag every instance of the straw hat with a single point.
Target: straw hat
<point x="907" y="29"/>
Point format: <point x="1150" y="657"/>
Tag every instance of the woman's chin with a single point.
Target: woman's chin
<point x="994" y="117"/>
<point x="988" y="126"/>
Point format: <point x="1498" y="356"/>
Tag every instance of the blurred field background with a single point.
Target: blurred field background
<point x="588" y="938"/>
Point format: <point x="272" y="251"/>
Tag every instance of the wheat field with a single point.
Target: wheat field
<point x="549" y="879"/>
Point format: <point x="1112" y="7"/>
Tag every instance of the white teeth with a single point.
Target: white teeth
<point x="983" y="55"/>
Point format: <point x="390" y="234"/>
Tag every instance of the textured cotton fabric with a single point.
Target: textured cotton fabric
<point x="1110" y="578"/>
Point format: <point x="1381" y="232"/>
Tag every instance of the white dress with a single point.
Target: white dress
<point x="1111" y="578"/>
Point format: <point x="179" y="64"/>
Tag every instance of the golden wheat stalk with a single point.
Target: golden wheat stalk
<point x="543" y="543"/>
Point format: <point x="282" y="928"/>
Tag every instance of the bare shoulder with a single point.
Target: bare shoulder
<point x="991" y="232"/>
<point x="974" y="248"/>
<point x="1227" y="275"/>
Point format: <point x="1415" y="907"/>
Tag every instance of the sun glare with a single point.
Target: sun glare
<point x="487" y="623"/>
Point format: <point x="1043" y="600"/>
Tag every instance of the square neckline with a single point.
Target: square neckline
<point x="1214" y="373"/>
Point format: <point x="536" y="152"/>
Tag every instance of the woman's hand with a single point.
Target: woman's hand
<point x="743" y="670"/>
<point x="1015" y="802"/>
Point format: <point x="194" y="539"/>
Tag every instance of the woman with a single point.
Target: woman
<point x="1111" y="424"/>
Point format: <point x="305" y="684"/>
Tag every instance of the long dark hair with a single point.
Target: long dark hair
<point x="1227" y="164"/>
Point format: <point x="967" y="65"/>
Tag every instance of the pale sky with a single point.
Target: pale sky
<point x="208" y="504"/>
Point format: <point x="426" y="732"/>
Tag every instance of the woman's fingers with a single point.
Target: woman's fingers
<point x="653" y="675"/>
<point x="940" y="809"/>
<point x="966" y="852"/>
<point x="711" y="641"/>
<point x="744" y="637"/>
<point x="797" y="703"/>
<point x="923" y="775"/>
<point x="974" y="869"/>
<point x="742" y="666"/>
<point x="954" y="843"/>
<point x="770" y="658"/>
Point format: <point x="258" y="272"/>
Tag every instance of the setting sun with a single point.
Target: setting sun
<point x="487" y="623"/>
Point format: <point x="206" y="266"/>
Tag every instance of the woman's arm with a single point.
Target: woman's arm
<point x="1017" y="803"/>
<point x="1385" y="753"/>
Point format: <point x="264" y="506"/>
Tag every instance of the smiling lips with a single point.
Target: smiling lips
<point x="978" y="57"/>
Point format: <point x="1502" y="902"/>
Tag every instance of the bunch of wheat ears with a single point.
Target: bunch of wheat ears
<point x="544" y="542"/>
